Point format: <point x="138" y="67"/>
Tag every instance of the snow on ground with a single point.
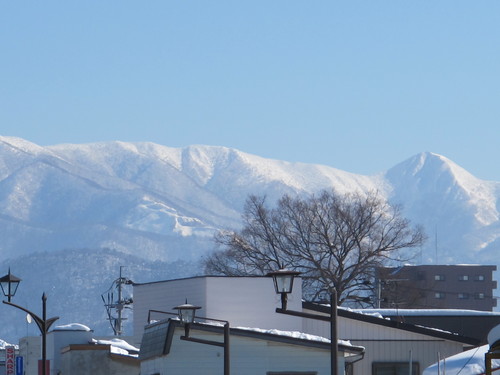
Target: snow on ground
<point x="470" y="362"/>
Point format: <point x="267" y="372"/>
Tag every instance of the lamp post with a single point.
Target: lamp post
<point x="283" y="284"/>
<point x="186" y="313"/>
<point x="43" y="324"/>
<point x="9" y="284"/>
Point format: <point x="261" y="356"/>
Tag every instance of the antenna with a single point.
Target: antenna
<point x="436" y="243"/>
<point x="114" y="309"/>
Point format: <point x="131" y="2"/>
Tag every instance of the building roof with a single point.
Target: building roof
<point x="202" y="277"/>
<point x="379" y="320"/>
<point x="426" y="312"/>
<point x="157" y="338"/>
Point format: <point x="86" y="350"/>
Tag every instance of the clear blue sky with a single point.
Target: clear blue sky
<point x="357" y="85"/>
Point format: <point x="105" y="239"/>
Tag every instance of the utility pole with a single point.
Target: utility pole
<point x="117" y="306"/>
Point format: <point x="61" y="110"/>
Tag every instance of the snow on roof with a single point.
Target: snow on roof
<point x="426" y="312"/>
<point x="470" y="362"/>
<point x="72" y="327"/>
<point x="369" y="312"/>
<point x="294" y="334"/>
<point x="4" y="344"/>
<point x="118" y="346"/>
<point x="494" y="335"/>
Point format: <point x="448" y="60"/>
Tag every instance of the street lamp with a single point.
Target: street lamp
<point x="186" y="313"/>
<point x="43" y="324"/>
<point x="283" y="285"/>
<point x="9" y="284"/>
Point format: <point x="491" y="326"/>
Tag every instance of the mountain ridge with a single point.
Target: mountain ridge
<point x="163" y="204"/>
<point x="194" y="190"/>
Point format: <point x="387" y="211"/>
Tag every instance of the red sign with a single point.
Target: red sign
<point x="40" y="367"/>
<point x="10" y="360"/>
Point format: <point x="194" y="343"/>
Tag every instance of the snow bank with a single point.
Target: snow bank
<point x="470" y="362"/>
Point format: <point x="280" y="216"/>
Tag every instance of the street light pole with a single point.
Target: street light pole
<point x="334" y="349"/>
<point x="43" y="324"/>
<point x="186" y="313"/>
<point x="283" y="284"/>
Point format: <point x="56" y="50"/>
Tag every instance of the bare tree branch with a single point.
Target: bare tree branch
<point x="334" y="240"/>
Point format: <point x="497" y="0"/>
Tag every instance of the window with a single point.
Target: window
<point x="480" y="296"/>
<point x="479" y="278"/>
<point x="394" y="368"/>
<point x="439" y="277"/>
<point x="463" y="278"/>
<point x="463" y="295"/>
<point x="439" y="295"/>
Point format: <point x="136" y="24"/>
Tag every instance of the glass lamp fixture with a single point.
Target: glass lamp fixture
<point x="186" y="312"/>
<point x="283" y="283"/>
<point x="9" y="284"/>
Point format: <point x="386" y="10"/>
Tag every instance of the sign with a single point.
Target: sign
<point x="10" y="360"/>
<point x="19" y="365"/>
<point x="40" y="367"/>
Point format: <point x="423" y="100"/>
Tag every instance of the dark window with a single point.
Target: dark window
<point x="291" y="373"/>
<point x="439" y="277"/>
<point x="463" y="295"/>
<point x="439" y="295"/>
<point x="479" y="278"/>
<point x="463" y="278"/>
<point x="480" y="296"/>
<point x="394" y="368"/>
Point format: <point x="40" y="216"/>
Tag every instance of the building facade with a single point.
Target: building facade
<point x="467" y="287"/>
<point x="267" y="352"/>
<point x="391" y="346"/>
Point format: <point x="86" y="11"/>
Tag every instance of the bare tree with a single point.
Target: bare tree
<point x="334" y="240"/>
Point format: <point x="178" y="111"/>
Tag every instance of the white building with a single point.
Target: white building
<point x="390" y="346"/>
<point x="72" y="349"/>
<point x="243" y="301"/>
<point x="251" y="351"/>
<point x="252" y="302"/>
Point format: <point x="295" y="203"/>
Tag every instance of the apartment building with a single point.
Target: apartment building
<point x="467" y="287"/>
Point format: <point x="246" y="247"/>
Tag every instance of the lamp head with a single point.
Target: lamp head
<point x="283" y="280"/>
<point x="186" y="312"/>
<point x="9" y="284"/>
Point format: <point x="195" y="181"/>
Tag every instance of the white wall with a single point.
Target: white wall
<point x="251" y="302"/>
<point x="243" y="301"/>
<point x="164" y="296"/>
<point x="58" y="339"/>
<point x="30" y="349"/>
<point x="96" y="360"/>
<point x="249" y="356"/>
<point x="386" y="344"/>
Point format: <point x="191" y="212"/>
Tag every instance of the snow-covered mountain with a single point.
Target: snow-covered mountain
<point x="161" y="205"/>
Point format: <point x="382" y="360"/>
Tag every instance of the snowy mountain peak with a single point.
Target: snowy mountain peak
<point x="163" y="204"/>
<point x="428" y="164"/>
<point x="432" y="173"/>
<point x="430" y="183"/>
